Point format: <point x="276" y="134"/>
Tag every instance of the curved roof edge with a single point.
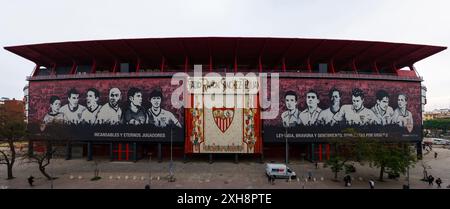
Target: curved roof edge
<point x="228" y="50"/>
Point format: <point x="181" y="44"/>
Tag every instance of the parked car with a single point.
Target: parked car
<point x="438" y="141"/>
<point x="279" y="171"/>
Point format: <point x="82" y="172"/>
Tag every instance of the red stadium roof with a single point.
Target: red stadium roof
<point x="228" y="50"/>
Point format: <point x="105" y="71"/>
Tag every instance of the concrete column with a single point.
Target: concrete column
<point x="30" y="148"/>
<point x="89" y="151"/>
<point x="68" y="151"/>
<point x="419" y="150"/>
<point x="185" y="159"/>
<point x="159" y="153"/>
<point x="287" y="153"/>
<point x="111" y="153"/>
<point x="134" y="152"/>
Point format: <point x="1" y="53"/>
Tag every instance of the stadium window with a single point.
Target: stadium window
<point x="83" y="69"/>
<point x="365" y="71"/>
<point x="124" y="67"/>
<point x="44" y="70"/>
<point x="320" y="68"/>
<point x="386" y="71"/>
<point x="63" y="70"/>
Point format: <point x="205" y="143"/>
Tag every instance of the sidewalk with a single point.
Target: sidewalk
<point x="76" y="174"/>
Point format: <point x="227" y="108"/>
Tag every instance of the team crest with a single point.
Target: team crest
<point x="223" y="117"/>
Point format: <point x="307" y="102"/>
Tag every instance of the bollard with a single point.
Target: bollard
<point x="298" y="180"/>
<point x="157" y="178"/>
<point x="80" y="177"/>
<point x="314" y="179"/>
<point x="118" y="177"/>
<point x="126" y="177"/>
<point x="71" y="177"/>
<point x="360" y="178"/>
<point x="110" y="177"/>
<point x="142" y="178"/>
<point x="321" y="178"/>
<point x="134" y="177"/>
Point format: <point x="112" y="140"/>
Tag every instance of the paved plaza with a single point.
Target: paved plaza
<point x="247" y="174"/>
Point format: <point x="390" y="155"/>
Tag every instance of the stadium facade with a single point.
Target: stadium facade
<point x="116" y="97"/>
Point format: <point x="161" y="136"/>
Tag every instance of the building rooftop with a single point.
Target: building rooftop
<point x="235" y="53"/>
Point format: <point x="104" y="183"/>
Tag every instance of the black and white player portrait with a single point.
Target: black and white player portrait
<point x="111" y="113"/>
<point x="382" y="109"/>
<point x="356" y="113"/>
<point x="402" y="116"/>
<point x="326" y="116"/>
<point x="54" y="115"/>
<point x="291" y="117"/>
<point x="89" y="115"/>
<point x="158" y="116"/>
<point x="134" y="114"/>
<point x="73" y="110"/>
<point x="310" y="115"/>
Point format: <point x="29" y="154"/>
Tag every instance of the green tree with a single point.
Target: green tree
<point x="395" y="158"/>
<point x="345" y="151"/>
<point x="437" y="124"/>
<point x="336" y="165"/>
<point x="12" y="130"/>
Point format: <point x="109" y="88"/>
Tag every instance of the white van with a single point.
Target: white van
<point x="279" y="171"/>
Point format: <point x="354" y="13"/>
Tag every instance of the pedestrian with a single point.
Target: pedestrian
<point x="430" y="180"/>
<point x="435" y="155"/>
<point x="30" y="180"/>
<point x="273" y="179"/>
<point x="348" y="181"/>
<point x="316" y="164"/>
<point x="372" y="184"/>
<point x="438" y="182"/>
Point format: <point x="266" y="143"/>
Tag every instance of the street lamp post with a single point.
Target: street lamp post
<point x="285" y="137"/>
<point x="408" y="177"/>
<point x="51" y="168"/>
<point x="149" y="168"/>
<point x="171" y="178"/>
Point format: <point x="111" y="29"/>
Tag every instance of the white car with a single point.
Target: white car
<point x="440" y="141"/>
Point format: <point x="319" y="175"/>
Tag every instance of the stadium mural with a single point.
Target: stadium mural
<point x="125" y="109"/>
<point x="317" y="110"/>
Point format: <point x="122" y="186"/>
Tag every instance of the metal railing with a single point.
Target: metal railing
<point x="342" y="75"/>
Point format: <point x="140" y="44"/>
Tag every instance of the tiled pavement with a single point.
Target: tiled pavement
<point x="247" y="174"/>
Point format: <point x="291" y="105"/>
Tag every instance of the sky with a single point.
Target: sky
<point x="404" y="21"/>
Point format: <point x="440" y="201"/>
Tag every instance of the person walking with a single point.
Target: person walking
<point x="430" y="180"/>
<point x="30" y="180"/>
<point x="347" y="181"/>
<point x="372" y="184"/>
<point x="435" y="155"/>
<point x="438" y="182"/>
